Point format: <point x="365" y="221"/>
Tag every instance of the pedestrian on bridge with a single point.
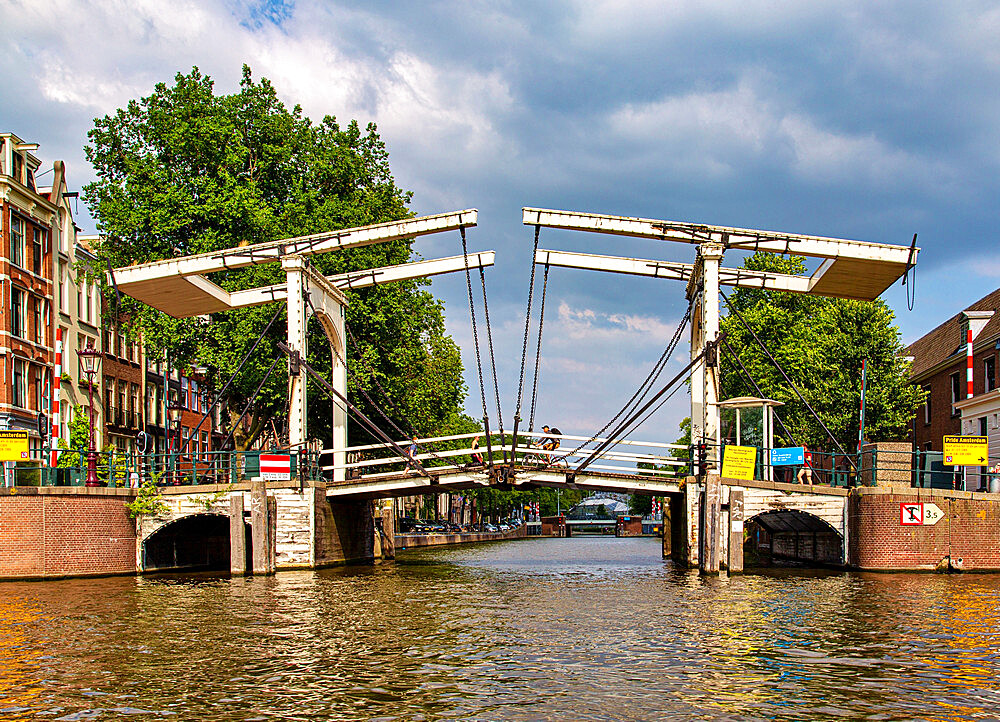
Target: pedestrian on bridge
<point x="805" y="472"/>
<point x="412" y="452"/>
<point x="477" y="458"/>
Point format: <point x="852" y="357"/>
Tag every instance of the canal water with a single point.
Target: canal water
<point x="569" y="629"/>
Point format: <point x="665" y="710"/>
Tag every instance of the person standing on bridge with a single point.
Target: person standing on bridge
<point x="805" y="472"/>
<point x="412" y="451"/>
<point x="477" y="458"/>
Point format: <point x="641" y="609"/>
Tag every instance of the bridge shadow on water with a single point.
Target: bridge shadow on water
<point x="196" y="543"/>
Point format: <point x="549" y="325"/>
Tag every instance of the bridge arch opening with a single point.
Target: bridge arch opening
<point x="790" y="535"/>
<point x="199" y="542"/>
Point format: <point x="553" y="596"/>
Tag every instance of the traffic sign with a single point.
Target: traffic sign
<point x="919" y="513"/>
<point x="966" y="451"/>
<point x="911" y="514"/>
<point x="275" y="467"/>
<point x="738" y="462"/>
<point x="13" y="445"/>
<point x="790" y="456"/>
<point x="932" y="514"/>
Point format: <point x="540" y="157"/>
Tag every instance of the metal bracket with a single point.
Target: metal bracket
<point x="294" y="363"/>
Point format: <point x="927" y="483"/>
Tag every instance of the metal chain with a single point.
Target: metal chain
<point x="538" y="350"/>
<point x="475" y="330"/>
<point x="493" y="363"/>
<point x="527" y="325"/>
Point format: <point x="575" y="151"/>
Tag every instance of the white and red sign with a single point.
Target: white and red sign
<point x="919" y="513"/>
<point x="911" y="514"/>
<point x="275" y="467"/>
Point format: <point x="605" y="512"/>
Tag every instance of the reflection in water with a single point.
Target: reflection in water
<point x="583" y="628"/>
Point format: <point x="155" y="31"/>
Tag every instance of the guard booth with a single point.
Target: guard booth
<point x="555" y="526"/>
<point x="749" y="421"/>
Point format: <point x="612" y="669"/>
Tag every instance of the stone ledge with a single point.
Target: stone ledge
<point x="819" y="489"/>
<point x="924" y="493"/>
<point x="124" y="493"/>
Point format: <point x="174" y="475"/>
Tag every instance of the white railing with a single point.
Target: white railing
<point x="622" y="456"/>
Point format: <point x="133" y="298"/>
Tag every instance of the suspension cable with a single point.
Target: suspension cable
<point x="253" y="398"/>
<point x="232" y="378"/>
<point x="651" y="378"/>
<point x="524" y="355"/>
<point x="623" y="427"/>
<point x="493" y="363"/>
<point x="538" y="349"/>
<point x="475" y="330"/>
<point x="782" y="372"/>
<point x="760" y="393"/>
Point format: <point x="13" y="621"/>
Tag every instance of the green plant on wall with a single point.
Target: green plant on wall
<point x="149" y="501"/>
<point x="210" y="500"/>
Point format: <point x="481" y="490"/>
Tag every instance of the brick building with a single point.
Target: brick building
<point x="939" y="367"/>
<point x="77" y="315"/>
<point x="27" y="216"/>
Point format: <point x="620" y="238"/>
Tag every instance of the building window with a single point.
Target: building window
<point x="20" y="383"/>
<point x="927" y="405"/>
<point x="36" y="319"/>
<point x="63" y="289"/>
<point x="956" y="392"/>
<point x="17" y="312"/>
<point x="990" y="369"/>
<point x="36" y="251"/>
<point x="17" y="228"/>
<point x="204" y="445"/>
<point x="39" y="388"/>
<point x="983" y="426"/>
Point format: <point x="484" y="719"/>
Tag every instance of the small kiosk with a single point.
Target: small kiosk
<point x="749" y="421"/>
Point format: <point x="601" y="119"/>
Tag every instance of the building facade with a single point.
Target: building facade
<point x="940" y="367"/>
<point x="29" y="217"/>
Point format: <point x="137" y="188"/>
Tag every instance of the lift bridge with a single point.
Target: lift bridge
<point x="610" y="460"/>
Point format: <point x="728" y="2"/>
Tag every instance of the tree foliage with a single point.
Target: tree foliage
<point x="820" y="342"/>
<point x="186" y="170"/>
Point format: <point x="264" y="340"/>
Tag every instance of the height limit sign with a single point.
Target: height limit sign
<point x="919" y="514"/>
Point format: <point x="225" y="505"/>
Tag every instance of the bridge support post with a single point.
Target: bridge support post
<point x="260" y="529"/>
<point x="237" y="537"/>
<point x="735" y="531"/>
<point x="710" y="518"/>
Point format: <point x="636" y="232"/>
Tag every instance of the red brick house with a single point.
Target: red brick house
<point x="939" y="367"/>
<point x="26" y="355"/>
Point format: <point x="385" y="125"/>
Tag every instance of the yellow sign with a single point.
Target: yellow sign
<point x="738" y="462"/>
<point x="13" y="445"/>
<point x="966" y="451"/>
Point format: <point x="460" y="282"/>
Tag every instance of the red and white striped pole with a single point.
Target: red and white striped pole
<point x="54" y="406"/>
<point x="968" y="362"/>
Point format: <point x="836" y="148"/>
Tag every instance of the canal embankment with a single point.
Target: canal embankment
<point x="412" y="541"/>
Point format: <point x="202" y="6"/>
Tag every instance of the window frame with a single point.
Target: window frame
<point x="19" y="383"/>
<point x="956" y="392"/>
<point x="17" y="241"/>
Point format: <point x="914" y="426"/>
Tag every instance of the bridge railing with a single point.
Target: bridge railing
<point x="116" y="468"/>
<point x="879" y="464"/>
<point x="622" y="456"/>
<point x="455" y="452"/>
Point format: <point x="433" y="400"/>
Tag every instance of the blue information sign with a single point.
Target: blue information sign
<point x="793" y="455"/>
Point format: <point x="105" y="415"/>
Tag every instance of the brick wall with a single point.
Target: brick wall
<point x="52" y="532"/>
<point x="968" y="534"/>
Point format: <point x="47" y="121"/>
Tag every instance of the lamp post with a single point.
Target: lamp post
<point x="90" y="359"/>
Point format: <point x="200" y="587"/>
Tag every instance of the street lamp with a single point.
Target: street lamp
<point x="90" y="359"/>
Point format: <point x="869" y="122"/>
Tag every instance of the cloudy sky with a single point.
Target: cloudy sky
<point x="848" y="119"/>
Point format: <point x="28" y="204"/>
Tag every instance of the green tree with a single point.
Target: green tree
<point x="79" y="440"/>
<point x="186" y="170"/>
<point x="820" y="342"/>
<point x="640" y="504"/>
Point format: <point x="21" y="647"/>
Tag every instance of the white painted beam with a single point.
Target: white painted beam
<point x="673" y="270"/>
<point x="372" y="277"/>
<point x="271" y="251"/>
<point x="730" y="237"/>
